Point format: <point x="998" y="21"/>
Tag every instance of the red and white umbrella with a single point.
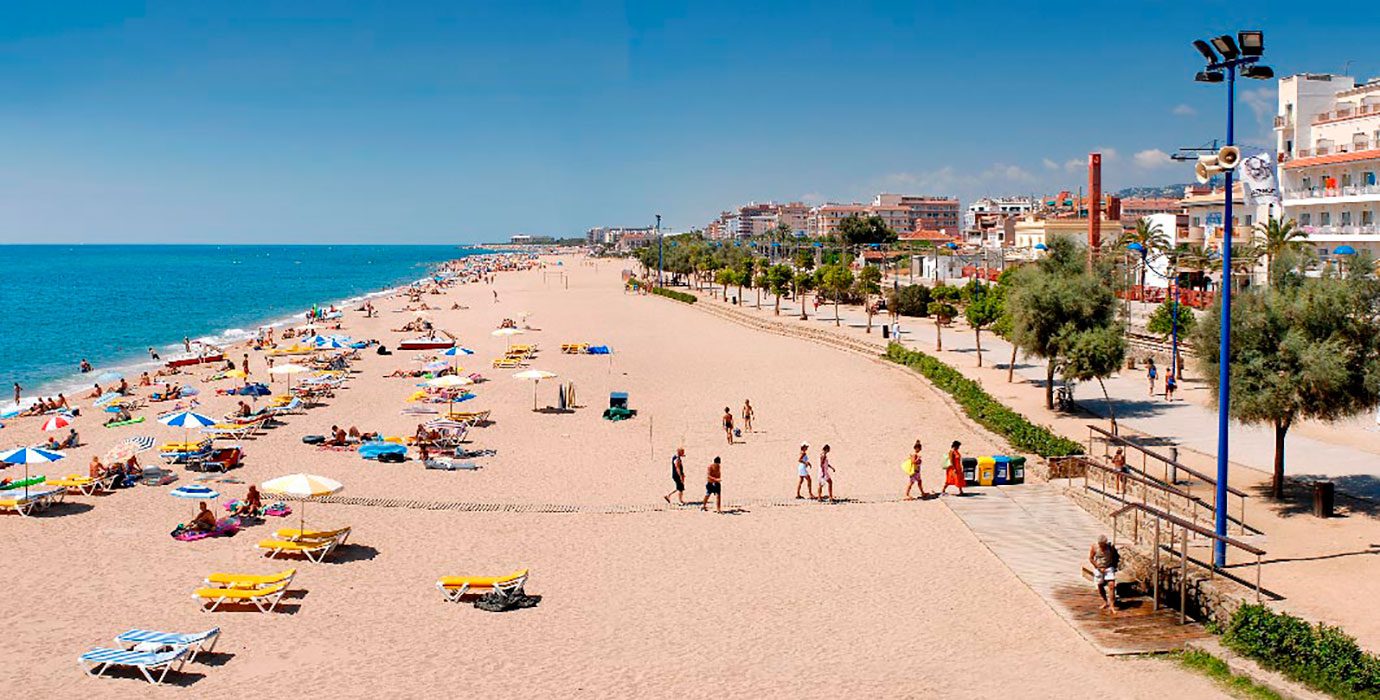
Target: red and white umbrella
<point x="56" y="422"/>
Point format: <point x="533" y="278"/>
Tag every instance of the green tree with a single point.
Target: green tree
<point x="726" y="277"/>
<point x="778" y="278"/>
<point x="804" y="281"/>
<point x="1055" y="300"/>
<point x="910" y="300"/>
<point x="869" y="283"/>
<point x="1151" y="239"/>
<point x="747" y="276"/>
<point x="1278" y="236"/>
<point x="1163" y="324"/>
<point x="835" y="280"/>
<point x="857" y="230"/>
<point x="1309" y="350"/>
<point x="804" y="258"/>
<point x="941" y="308"/>
<point x="1096" y="353"/>
<point x="984" y="308"/>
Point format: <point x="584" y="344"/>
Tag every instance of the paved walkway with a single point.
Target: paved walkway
<point x="1043" y="537"/>
<point x="1186" y="423"/>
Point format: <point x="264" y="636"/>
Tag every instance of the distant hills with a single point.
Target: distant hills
<point x="1157" y="191"/>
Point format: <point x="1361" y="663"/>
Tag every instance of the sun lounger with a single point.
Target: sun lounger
<point x="471" y="417"/>
<point x="507" y="363"/>
<point x="224" y="580"/>
<point x="196" y="641"/>
<point x="293" y="405"/>
<point x="315" y="551"/>
<point x="293" y="534"/>
<point x="456" y="587"/>
<point x="37" y="499"/>
<point x="265" y="598"/>
<point x="153" y="665"/>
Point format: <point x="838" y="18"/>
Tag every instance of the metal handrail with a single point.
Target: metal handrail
<point x="1118" y="440"/>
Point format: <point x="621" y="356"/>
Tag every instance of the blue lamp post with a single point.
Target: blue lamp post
<point x="1229" y="58"/>
<point x="658" y="251"/>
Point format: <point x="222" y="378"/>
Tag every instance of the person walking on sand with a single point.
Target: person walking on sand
<point x="186" y="344"/>
<point x="495" y="296"/>
<point x="1119" y="466"/>
<point x="747" y="415"/>
<point x="1104" y="560"/>
<point x="713" y="485"/>
<point x="17" y="391"/>
<point x="953" y="474"/>
<point x="826" y="474"/>
<point x="677" y="476"/>
<point x="1170" y="384"/>
<point x="912" y="468"/>
<point x="245" y="365"/>
<point x="802" y="466"/>
<point x="728" y="424"/>
<point x="1152" y="373"/>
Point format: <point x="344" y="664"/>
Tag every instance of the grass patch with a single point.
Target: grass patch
<point x="982" y="408"/>
<point x="1320" y="656"/>
<point x="1208" y="665"/>
<point x="673" y="294"/>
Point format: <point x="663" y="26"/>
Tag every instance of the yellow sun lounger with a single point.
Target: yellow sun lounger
<point x="456" y="587"/>
<point x="507" y="363"/>
<point x="292" y="534"/>
<point x="223" y="580"/>
<point x="264" y="598"/>
<point x="315" y="551"/>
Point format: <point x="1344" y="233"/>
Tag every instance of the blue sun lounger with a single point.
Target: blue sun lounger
<point x="198" y="641"/>
<point x="149" y="663"/>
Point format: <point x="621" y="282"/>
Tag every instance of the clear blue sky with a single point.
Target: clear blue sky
<point x="440" y="122"/>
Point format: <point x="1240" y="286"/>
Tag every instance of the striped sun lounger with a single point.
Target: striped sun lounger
<point x="196" y="641"/>
<point x="149" y="663"/>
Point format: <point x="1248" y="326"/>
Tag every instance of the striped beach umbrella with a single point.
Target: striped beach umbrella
<point x="125" y="449"/>
<point x="303" y="486"/>
<point x="186" y="420"/>
<point x="27" y="456"/>
<point x="55" y="422"/>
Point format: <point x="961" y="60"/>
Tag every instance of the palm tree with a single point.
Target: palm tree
<point x="1244" y="258"/>
<point x="1193" y="258"/>
<point x="1151" y="239"/>
<point x="1278" y="236"/>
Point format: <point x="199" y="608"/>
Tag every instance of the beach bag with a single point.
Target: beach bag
<point x="392" y="457"/>
<point x="493" y="601"/>
<point x="908" y="466"/>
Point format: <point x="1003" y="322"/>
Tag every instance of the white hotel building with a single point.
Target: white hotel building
<point x="1328" y="130"/>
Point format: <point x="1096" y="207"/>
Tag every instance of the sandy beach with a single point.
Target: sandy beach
<point x="873" y="596"/>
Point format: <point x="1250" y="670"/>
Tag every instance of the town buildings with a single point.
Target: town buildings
<point x="1328" y="138"/>
<point x="900" y="212"/>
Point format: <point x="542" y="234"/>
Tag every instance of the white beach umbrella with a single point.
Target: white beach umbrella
<point x="507" y="333"/>
<point x="55" y="422"/>
<point x="289" y="369"/>
<point x="535" y="376"/>
<point x="450" y="381"/>
<point x="303" y="486"/>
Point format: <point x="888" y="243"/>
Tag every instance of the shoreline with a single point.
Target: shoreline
<point x="228" y="335"/>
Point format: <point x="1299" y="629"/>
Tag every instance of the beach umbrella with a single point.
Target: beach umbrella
<point x="1041" y="246"/>
<point x="122" y="451"/>
<point x="199" y="492"/>
<point x="1343" y="250"/>
<point x="186" y="420"/>
<point x="450" y="381"/>
<point x="507" y="333"/>
<point x="456" y="351"/>
<point x="235" y="374"/>
<point x="289" y="369"/>
<point x="56" y="422"/>
<point x="535" y="376"/>
<point x="302" y="486"/>
<point x="27" y="456"/>
<point x="433" y="366"/>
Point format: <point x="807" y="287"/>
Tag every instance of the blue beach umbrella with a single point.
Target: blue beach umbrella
<point x="200" y="492"/>
<point x="27" y="456"/>
<point x="951" y="246"/>
<point x="186" y="420"/>
<point x="1343" y="250"/>
<point x="1041" y="246"/>
<point x="457" y="350"/>
<point x="1136" y="247"/>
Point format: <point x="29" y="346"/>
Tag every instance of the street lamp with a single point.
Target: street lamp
<point x="1234" y="56"/>
<point x="658" y="251"/>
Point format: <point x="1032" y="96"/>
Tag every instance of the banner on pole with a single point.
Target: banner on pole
<point x="1259" y="181"/>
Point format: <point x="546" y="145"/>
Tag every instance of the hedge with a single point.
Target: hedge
<point x="981" y="407"/>
<point x="673" y="294"/>
<point x="1323" y="657"/>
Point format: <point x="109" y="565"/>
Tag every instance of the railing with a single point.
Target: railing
<point x="1282" y="122"/>
<point x="1345" y="230"/>
<point x="1198" y="299"/>
<point x="1325" y="192"/>
<point x="1169" y="472"/>
<point x="1186" y="527"/>
<point x="1337" y="115"/>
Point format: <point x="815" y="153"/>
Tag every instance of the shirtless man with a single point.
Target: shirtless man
<point x="713" y="485"/>
<point x="747" y="415"/>
<point x="728" y="424"/>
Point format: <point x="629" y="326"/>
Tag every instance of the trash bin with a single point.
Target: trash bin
<point x="1323" y="494"/>
<point x="618" y="399"/>
<point x="1017" y="470"/>
<point x="886" y="331"/>
<point x="986" y="469"/>
<point x="735" y="298"/>
<point x="1002" y="470"/>
<point x="970" y="469"/>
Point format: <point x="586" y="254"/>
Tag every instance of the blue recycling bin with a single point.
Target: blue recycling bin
<point x="1003" y="470"/>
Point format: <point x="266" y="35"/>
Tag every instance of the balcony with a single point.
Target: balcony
<point x="1337" y="115"/>
<point x="1348" y="230"/>
<point x="1331" y="192"/>
<point x="1284" y="123"/>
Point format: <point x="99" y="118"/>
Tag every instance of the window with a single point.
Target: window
<point x="1307" y="183"/>
<point x="1368" y="217"/>
<point x="1346" y="218"/>
<point x="1346" y="179"/>
<point x="1368" y="177"/>
<point x="1198" y="221"/>
<point x="1325" y="218"/>
<point x="1306" y="219"/>
<point x="1250" y="220"/>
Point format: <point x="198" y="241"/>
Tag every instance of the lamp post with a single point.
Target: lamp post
<point x="658" y="251"/>
<point x="1229" y="58"/>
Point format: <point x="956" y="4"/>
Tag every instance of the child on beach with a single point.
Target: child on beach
<point x="803" y="471"/>
<point x="677" y="476"/>
<point x="728" y="424"/>
<point x="1153" y="373"/>
<point x="1170" y="384"/>
<point x="912" y="468"/>
<point x="953" y="475"/>
<point x="713" y="485"/>
<point x="825" y="474"/>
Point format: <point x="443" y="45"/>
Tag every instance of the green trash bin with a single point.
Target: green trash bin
<point x="970" y="469"/>
<point x="1016" y="474"/>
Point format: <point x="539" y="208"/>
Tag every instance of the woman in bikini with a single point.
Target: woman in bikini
<point x="913" y="470"/>
<point x="803" y="472"/>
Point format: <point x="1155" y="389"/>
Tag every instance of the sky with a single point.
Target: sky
<point x="451" y="122"/>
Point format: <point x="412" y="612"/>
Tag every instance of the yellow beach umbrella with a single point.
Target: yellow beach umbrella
<point x="535" y="376"/>
<point x="303" y="486"/>
<point x="235" y="373"/>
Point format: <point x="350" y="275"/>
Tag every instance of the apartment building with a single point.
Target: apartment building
<point x="760" y="218"/>
<point x="1328" y="135"/>
<point x="609" y="235"/>
<point x="923" y="212"/>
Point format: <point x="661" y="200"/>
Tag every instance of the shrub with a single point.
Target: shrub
<point x="912" y="300"/>
<point x="981" y="407"/>
<point x="673" y="294"/>
<point x="1323" y="657"/>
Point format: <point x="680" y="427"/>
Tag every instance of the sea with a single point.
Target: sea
<point x="108" y="304"/>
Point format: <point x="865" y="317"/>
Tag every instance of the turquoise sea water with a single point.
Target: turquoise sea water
<point x="110" y="303"/>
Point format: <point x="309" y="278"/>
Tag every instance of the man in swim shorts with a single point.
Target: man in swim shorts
<point x="713" y="486"/>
